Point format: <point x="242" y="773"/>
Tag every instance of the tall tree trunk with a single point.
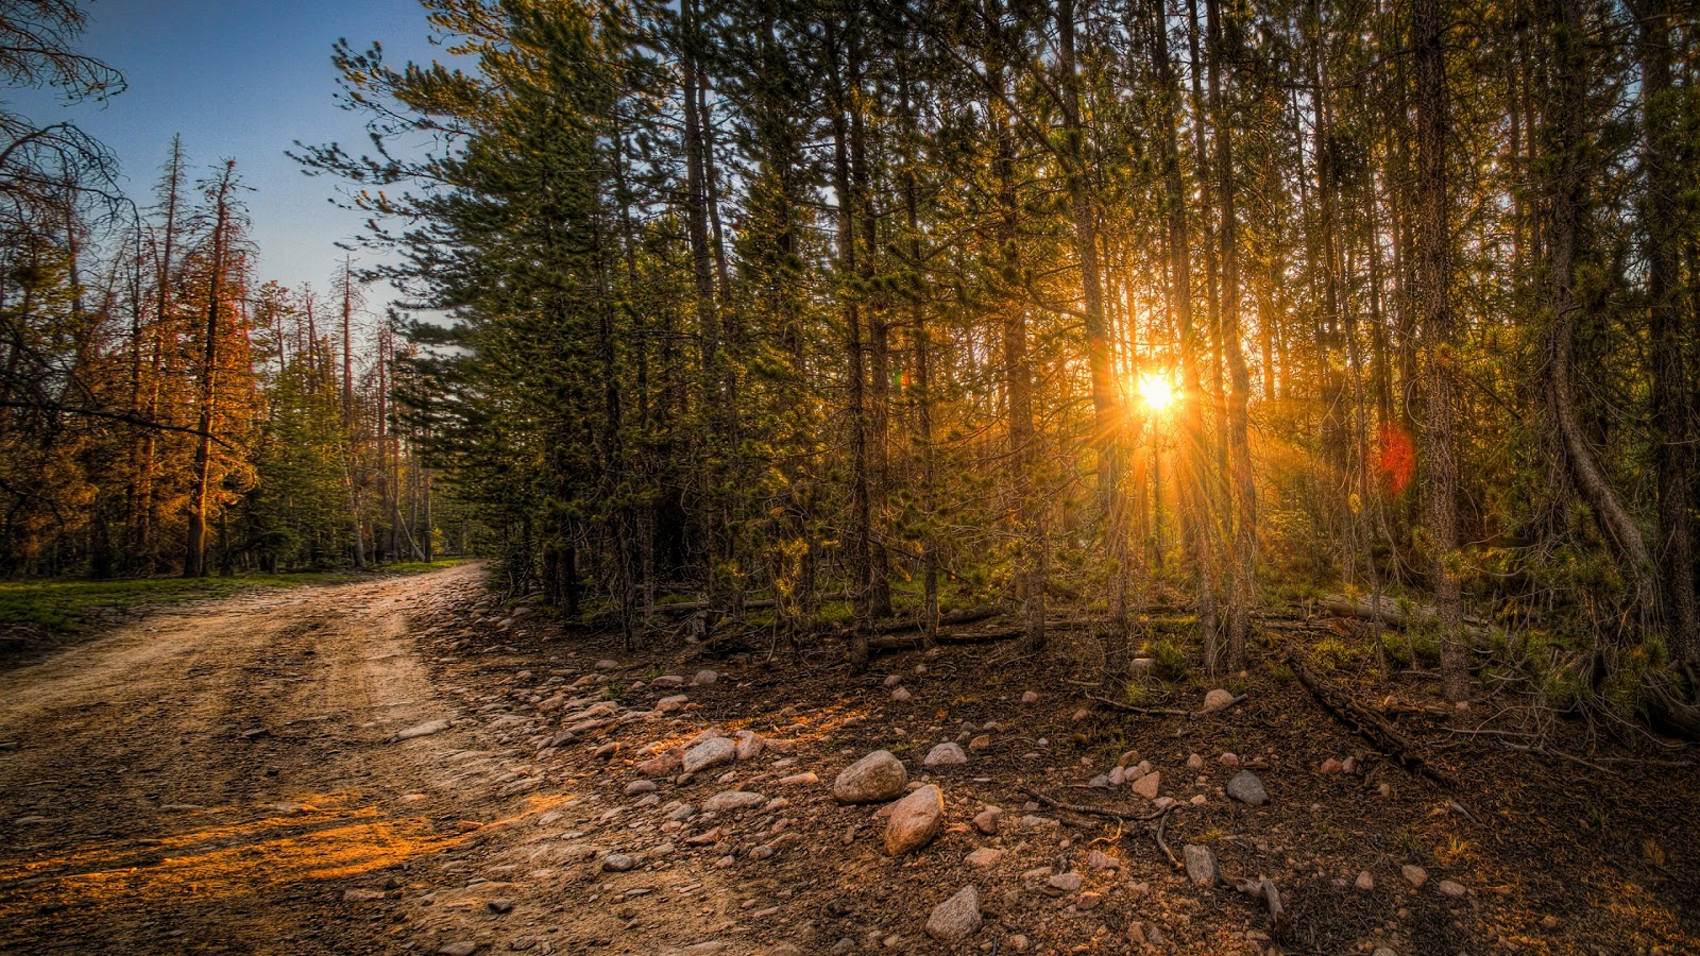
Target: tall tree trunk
<point x="194" y="558"/>
<point x="1108" y="439"/>
<point x="1242" y="493"/>
<point x="1031" y="563"/>
<point x="1434" y="277"/>
<point x="1565" y="151"/>
<point x="923" y="380"/>
<point x="1194" y="500"/>
<point x="860" y="537"/>
<point x="1663" y="228"/>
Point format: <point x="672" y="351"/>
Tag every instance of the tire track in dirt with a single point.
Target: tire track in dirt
<point x="216" y="778"/>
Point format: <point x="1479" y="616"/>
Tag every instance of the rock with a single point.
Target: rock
<point x="945" y="755"/>
<point x="1365" y="882"/>
<point x="984" y="857"/>
<point x="891" y="680"/>
<point x="1216" y="700"/>
<point x="1016" y="943"/>
<point x="1080" y="714"/>
<point x="458" y="948"/>
<point x="986" y="821"/>
<point x="658" y="766"/>
<point x="1200" y="864"/>
<point x="668" y="705"/>
<point x="980" y="742"/>
<point x="957" y="918"/>
<point x="1329" y="767"/>
<point x="500" y="905"/>
<point x="422" y="730"/>
<point x="1451" y="890"/>
<point x="1229" y="759"/>
<point x="361" y="896"/>
<point x="1099" y="860"/>
<point x="749" y="745"/>
<point x="914" y="821"/>
<point x="710" y="753"/>
<point x="732" y="800"/>
<point x="607" y="664"/>
<point x="640" y="786"/>
<point x="902" y="696"/>
<point x="804" y="779"/>
<point x="703" y="678"/>
<point x="1195" y="762"/>
<point x="1147" y="784"/>
<point x="1117" y="776"/>
<point x="1030" y="697"/>
<point x="618" y="862"/>
<point x="878" y="776"/>
<point x="668" y="680"/>
<point x="1414" y="875"/>
<point x="1069" y="882"/>
<point x="1248" y="789"/>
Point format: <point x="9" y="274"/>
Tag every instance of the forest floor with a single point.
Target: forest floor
<point x="403" y="765"/>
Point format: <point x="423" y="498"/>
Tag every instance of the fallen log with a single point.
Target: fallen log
<point x="908" y="641"/>
<point x="1387" y="611"/>
<point x="1367" y="724"/>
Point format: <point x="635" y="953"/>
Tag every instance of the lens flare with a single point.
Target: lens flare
<point x="1156" y="391"/>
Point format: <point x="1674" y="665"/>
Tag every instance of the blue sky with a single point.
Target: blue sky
<point x="241" y="79"/>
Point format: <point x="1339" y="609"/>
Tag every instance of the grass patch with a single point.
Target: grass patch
<point x="64" y="606"/>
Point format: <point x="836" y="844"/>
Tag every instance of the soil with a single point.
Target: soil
<point x="240" y="777"/>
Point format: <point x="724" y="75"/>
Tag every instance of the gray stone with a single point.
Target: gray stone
<point x="1248" y="789"/>
<point x="1200" y="864"/>
<point x="957" y="918"/>
<point x="733" y="800"/>
<point x="710" y="753"/>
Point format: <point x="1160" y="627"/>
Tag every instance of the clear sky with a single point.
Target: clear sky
<point x="241" y="79"/>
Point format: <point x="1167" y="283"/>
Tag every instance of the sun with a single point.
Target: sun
<point x="1157" y="391"/>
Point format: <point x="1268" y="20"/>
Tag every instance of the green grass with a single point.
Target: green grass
<point x="66" y="605"/>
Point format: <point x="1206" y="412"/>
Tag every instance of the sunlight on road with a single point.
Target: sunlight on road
<point x="335" y="836"/>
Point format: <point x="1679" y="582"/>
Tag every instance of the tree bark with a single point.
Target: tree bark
<point x="1434" y="277"/>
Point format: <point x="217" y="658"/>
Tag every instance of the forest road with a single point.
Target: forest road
<point x="228" y="778"/>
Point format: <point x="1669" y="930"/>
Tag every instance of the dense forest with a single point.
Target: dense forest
<point x="161" y="409"/>
<point x="843" y="312"/>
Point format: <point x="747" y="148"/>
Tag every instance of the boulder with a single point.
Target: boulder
<point x="876" y="777"/>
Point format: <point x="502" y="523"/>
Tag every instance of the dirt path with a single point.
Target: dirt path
<point x="225" y="778"/>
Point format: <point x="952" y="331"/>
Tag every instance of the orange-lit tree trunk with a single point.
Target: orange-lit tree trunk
<point x="194" y="557"/>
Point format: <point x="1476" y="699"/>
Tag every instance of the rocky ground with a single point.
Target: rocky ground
<point x="409" y="766"/>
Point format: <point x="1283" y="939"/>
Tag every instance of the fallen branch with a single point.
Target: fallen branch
<point x="1367" y="724"/>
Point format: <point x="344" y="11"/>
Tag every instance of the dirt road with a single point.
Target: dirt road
<point x="226" y="778"/>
